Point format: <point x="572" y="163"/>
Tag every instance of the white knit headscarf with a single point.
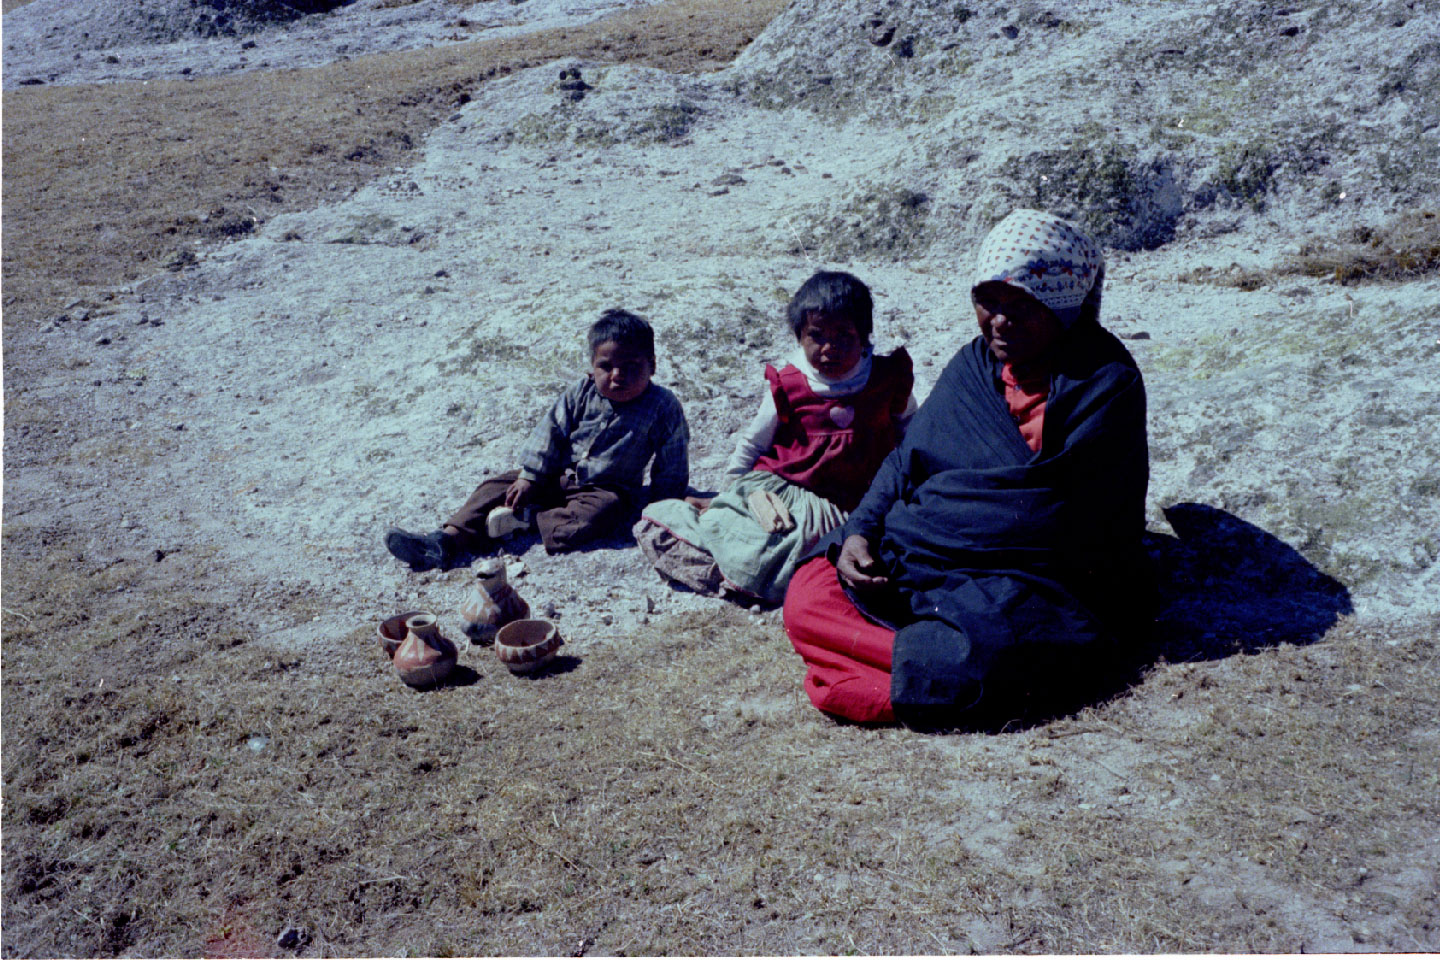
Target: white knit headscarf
<point x="1049" y="258"/>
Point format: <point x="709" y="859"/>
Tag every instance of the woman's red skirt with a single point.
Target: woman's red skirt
<point x="847" y="656"/>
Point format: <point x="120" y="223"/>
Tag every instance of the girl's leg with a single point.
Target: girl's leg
<point x="677" y="559"/>
<point x="846" y="655"/>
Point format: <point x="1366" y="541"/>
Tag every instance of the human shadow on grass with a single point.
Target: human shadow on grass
<point x="1223" y="586"/>
<point x="1226" y="586"/>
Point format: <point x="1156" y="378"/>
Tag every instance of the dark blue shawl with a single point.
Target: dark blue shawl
<point x="1003" y="560"/>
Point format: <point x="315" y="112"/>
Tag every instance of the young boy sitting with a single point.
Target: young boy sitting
<point x="583" y="475"/>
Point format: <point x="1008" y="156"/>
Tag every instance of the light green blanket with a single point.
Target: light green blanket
<point x="753" y="559"/>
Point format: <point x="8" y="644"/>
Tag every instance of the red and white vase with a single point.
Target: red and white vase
<point x="425" y="656"/>
<point x="490" y="603"/>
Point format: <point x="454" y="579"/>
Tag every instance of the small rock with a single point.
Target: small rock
<point x="1010" y="32"/>
<point x="257" y="743"/>
<point x="159" y="555"/>
<point x="548" y="610"/>
<point x="757" y="610"/>
<point x="292" y="938"/>
<point x="649" y="604"/>
<point x="606" y="619"/>
<point x="879" y="32"/>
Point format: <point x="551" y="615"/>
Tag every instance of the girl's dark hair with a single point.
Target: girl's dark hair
<point x="836" y="294"/>
<point x="625" y="328"/>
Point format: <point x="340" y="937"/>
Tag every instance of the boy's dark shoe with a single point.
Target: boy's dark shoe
<point x="428" y="551"/>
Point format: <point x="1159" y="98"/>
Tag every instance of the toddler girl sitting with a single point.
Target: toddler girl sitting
<point x="826" y="422"/>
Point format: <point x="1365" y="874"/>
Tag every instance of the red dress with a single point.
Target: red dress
<point x="833" y="446"/>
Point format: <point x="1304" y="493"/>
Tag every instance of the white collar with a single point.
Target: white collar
<point x="860" y="371"/>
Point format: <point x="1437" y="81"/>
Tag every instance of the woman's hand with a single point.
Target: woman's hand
<point x="857" y="567"/>
<point x="699" y="503"/>
<point x="517" y="493"/>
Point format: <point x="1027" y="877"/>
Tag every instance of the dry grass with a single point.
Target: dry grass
<point x="676" y="796"/>
<point x="107" y="184"/>
<point x="1407" y="248"/>
<point x="687" y="801"/>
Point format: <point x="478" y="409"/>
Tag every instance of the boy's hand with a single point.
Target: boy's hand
<point x="517" y="493"/>
<point x="857" y="567"/>
<point x="699" y="503"/>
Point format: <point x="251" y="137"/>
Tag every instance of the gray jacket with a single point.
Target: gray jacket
<point x="609" y="444"/>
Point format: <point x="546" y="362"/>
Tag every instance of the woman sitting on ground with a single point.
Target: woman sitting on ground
<point x="998" y="551"/>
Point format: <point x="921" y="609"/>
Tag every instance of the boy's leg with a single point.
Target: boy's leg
<point x="467" y="525"/>
<point x="588" y="512"/>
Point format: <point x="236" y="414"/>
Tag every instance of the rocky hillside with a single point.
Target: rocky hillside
<point x="1147" y="122"/>
<point x="238" y="428"/>
<point x="426" y="320"/>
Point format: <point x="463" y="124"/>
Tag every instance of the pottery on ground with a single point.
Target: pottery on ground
<point x="490" y="603"/>
<point x="425" y="657"/>
<point x="526" y="645"/>
<point x="391" y="632"/>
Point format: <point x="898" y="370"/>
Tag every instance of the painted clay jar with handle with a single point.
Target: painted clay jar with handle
<point x="527" y="645"/>
<point x="425" y="656"/>
<point x="391" y="632"/>
<point x="490" y="603"/>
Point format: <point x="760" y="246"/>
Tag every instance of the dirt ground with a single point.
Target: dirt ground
<point x="169" y="800"/>
<point x="175" y="784"/>
<point x="106" y="184"/>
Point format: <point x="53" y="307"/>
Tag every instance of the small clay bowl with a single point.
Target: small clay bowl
<point x="391" y="633"/>
<point x="526" y="645"/>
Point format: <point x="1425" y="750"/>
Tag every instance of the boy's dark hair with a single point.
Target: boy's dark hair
<point x="626" y="329"/>
<point x="836" y="294"/>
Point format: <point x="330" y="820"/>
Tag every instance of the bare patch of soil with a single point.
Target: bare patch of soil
<point x="107" y="184"/>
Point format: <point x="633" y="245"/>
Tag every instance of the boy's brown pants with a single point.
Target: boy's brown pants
<point x="567" y="512"/>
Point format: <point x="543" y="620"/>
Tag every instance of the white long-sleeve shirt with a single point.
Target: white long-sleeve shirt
<point x="755" y="440"/>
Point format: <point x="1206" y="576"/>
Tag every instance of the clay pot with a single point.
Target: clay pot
<point x="425" y="657"/>
<point x="526" y="645"/>
<point x="391" y="632"/>
<point x="490" y="603"/>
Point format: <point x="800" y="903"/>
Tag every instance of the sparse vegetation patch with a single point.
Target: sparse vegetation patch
<point x="883" y="221"/>
<point x="1406" y="248"/>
